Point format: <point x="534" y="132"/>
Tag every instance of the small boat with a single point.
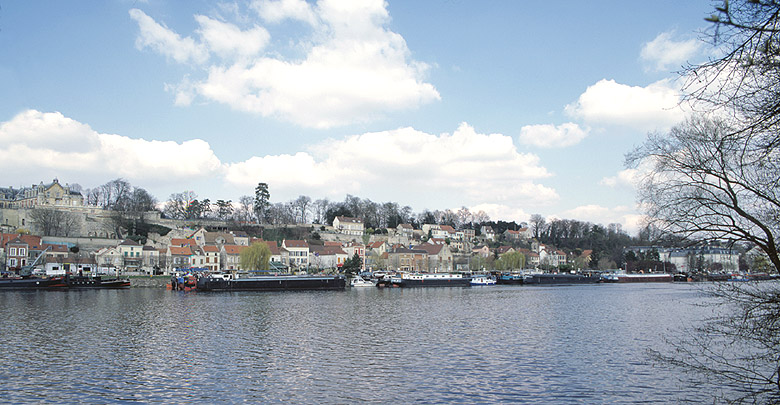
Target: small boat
<point x="510" y="278"/>
<point x="482" y="280"/>
<point x="358" y="281"/>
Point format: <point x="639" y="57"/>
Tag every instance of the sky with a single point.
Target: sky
<point x="511" y="107"/>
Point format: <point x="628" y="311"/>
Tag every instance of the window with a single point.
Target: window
<point x="12" y="252"/>
<point x="22" y="252"/>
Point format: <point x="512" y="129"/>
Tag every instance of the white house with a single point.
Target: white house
<point x="348" y="225"/>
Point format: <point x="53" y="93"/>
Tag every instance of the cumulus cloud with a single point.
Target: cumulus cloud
<point x="627" y="217"/>
<point x="462" y="168"/>
<point x="551" y="136"/>
<point x="646" y="108"/>
<point x="275" y="11"/>
<point x="227" y="40"/>
<point x="36" y="142"/>
<point x="664" y="53"/>
<point x="353" y="68"/>
<point x="164" y="41"/>
<point x="407" y="164"/>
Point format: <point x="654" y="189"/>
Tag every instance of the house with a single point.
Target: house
<point x="439" y="257"/>
<point x="348" y="225"/>
<point x="276" y="254"/>
<point x="353" y="248"/>
<point x="408" y="260"/>
<point x="184" y="242"/>
<point x="326" y="257"/>
<point x="483" y="251"/>
<point x="512" y="236"/>
<point x="531" y="258"/>
<point x="17" y="254"/>
<point x="297" y="253"/>
<point x="150" y="259"/>
<point x="212" y="256"/>
<point x="240" y="238"/>
<point x="378" y="247"/>
<point x="488" y="233"/>
<point x="130" y="251"/>
<point x="230" y="257"/>
<point x="405" y="230"/>
<point x="504" y="249"/>
<point x="43" y="195"/>
<point x="179" y="257"/>
<point x="445" y="232"/>
<point x="109" y="258"/>
<point x="465" y="234"/>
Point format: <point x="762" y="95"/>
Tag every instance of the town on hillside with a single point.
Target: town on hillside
<point x="56" y="223"/>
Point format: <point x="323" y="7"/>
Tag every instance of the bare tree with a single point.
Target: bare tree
<point x="702" y="184"/>
<point x="53" y="222"/>
<point x="301" y="205"/>
<point x="715" y="177"/>
<point x="320" y="208"/>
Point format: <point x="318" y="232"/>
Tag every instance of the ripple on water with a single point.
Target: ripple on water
<point x="580" y="344"/>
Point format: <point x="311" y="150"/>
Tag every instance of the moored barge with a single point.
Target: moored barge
<point x="32" y="283"/>
<point x="271" y="283"/>
<point x="561" y="278"/>
<point x="430" y="280"/>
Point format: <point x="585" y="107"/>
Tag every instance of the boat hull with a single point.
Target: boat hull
<point x="273" y="283"/>
<point x="645" y="278"/>
<point x="32" y="283"/>
<point x="546" y="279"/>
<point x="77" y="282"/>
<point x="432" y="282"/>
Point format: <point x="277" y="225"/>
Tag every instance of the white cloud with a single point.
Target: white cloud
<point x="550" y="136"/>
<point x="501" y="212"/>
<point x="406" y="164"/>
<point x="36" y="142"/>
<point x="227" y="40"/>
<point x="645" y="108"/>
<point x="462" y="168"/>
<point x="164" y="41"/>
<point x="624" y="178"/>
<point x="275" y="11"/>
<point x="664" y="53"/>
<point x="354" y="69"/>
<point x="627" y="217"/>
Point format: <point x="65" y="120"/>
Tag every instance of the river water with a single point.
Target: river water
<point x="567" y="344"/>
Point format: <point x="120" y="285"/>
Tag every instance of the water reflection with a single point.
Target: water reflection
<point x="497" y="344"/>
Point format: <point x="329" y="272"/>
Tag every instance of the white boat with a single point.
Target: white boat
<point x="482" y="280"/>
<point x="361" y="282"/>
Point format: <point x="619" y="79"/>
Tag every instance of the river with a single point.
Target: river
<point x="558" y="344"/>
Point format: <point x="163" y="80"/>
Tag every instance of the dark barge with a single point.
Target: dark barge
<point x="32" y="283"/>
<point x="561" y="278"/>
<point x="271" y="283"/>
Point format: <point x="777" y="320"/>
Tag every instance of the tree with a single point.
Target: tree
<point x="715" y="177"/>
<point x="224" y="209"/>
<point x="262" y="202"/>
<point x="537" y="225"/>
<point x="178" y="204"/>
<point x="52" y="222"/>
<point x="511" y="261"/>
<point x="352" y="265"/>
<point x="704" y="185"/>
<point x="256" y="257"/>
<point x="301" y="205"/>
<point x="245" y="208"/>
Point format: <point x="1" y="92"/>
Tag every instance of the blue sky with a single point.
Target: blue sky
<point x="511" y="107"/>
